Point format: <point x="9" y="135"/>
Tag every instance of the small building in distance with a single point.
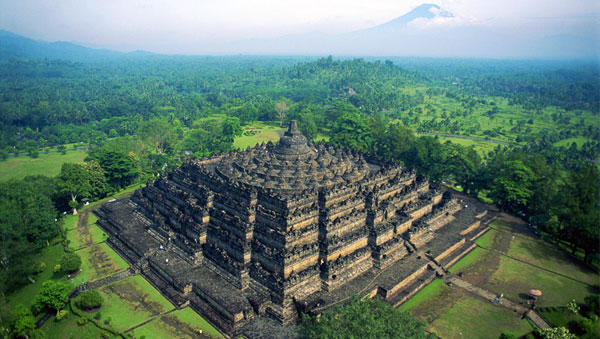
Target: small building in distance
<point x="277" y="230"/>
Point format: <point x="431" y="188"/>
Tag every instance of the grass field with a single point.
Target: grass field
<point x="131" y="301"/>
<point x="184" y="323"/>
<point x="452" y="313"/>
<point x="98" y="261"/>
<point x="46" y="164"/>
<point x="85" y="236"/>
<point x="257" y="132"/>
<point x="482" y="147"/>
<point x="509" y="260"/>
<point x="474" y="318"/>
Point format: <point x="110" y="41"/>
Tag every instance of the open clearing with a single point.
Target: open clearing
<point x="46" y="164"/>
<point x="257" y="133"/>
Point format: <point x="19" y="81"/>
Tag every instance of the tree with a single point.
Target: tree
<point x="351" y="131"/>
<point x="281" y="107"/>
<point x="70" y="262"/>
<point x="396" y="141"/>
<point x="462" y="164"/>
<point x="119" y="166"/>
<point x="160" y="134"/>
<point x="307" y="124"/>
<point x="557" y="333"/>
<point x="511" y="187"/>
<point x="96" y="179"/>
<point x="23" y="322"/>
<point x="27" y="223"/>
<point x="89" y="299"/>
<point x="580" y="210"/>
<point x="426" y="156"/>
<point x="593" y="302"/>
<point x="73" y="181"/>
<point x="53" y="295"/>
<point x="363" y="319"/>
<point x="231" y="128"/>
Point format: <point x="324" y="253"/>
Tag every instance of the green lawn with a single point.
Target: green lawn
<point x="515" y="279"/>
<point x="99" y="261"/>
<point x="184" y="323"/>
<point x="85" y="236"/>
<point x="257" y="132"/>
<point x="472" y="257"/>
<point x="131" y="301"/>
<point x="544" y="255"/>
<point x="474" y="318"/>
<point x="70" y="221"/>
<point x="46" y="164"/>
<point x="430" y="292"/>
<point x="482" y="147"/>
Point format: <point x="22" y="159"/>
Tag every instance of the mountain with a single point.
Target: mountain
<point x="17" y="46"/>
<point x="424" y="11"/>
<point x="426" y="31"/>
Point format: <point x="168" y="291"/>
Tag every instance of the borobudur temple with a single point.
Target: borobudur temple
<point x="277" y="230"/>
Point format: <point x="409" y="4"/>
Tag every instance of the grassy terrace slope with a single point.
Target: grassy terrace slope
<point x="508" y="260"/>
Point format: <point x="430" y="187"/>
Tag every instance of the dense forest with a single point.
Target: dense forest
<point x="141" y="115"/>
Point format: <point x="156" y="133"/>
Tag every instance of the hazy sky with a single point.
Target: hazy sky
<point x="182" y="26"/>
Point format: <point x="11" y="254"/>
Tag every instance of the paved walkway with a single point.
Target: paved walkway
<point x="457" y="282"/>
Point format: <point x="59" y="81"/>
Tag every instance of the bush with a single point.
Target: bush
<point x="82" y="321"/>
<point x="39" y="267"/>
<point x="56" y="268"/>
<point x="70" y="262"/>
<point x="89" y="299"/>
<point x="61" y="315"/>
<point x="97" y="316"/>
<point x="593" y="302"/>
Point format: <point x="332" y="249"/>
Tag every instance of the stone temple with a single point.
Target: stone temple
<point x="277" y="230"/>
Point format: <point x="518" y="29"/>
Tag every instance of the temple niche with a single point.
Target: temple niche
<point x="277" y="230"/>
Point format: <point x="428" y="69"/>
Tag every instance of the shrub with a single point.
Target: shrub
<point x="56" y="268"/>
<point x="97" y="316"/>
<point x="39" y="267"/>
<point x="70" y="262"/>
<point x="89" y="299"/>
<point x="61" y="315"/>
<point x="593" y="302"/>
<point x="82" y="321"/>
